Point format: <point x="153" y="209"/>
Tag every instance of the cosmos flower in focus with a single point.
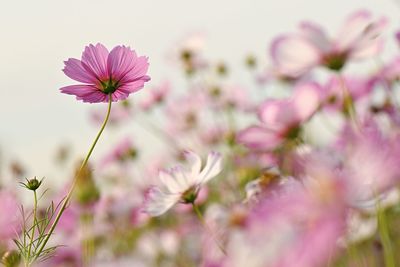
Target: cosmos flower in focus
<point x="357" y="39"/>
<point x="117" y="73"/>
<point x="181" y="185"/>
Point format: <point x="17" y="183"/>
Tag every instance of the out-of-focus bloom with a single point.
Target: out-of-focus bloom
<point x="155" y="95"/>
<point x="180" y="185"/>
<point x="123" y="151"/>
<point x="281" y="118"/>
<point x="299" y="228"/>
<point x="184" y="113"/>
<point x="295" y="55"/>
<point x="117" y="73"/>
<point x="230" y="97"/>
<point x="372" y="161"/>
<point x="10" y="220"/>
<point x="188" y="52"/>
<point x="336" y="89"/>
<point x="121" y="113"/>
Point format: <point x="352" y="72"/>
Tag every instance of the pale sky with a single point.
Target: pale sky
<point x="37" y="36"/>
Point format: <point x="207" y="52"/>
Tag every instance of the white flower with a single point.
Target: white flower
<point x="180" y="185"/>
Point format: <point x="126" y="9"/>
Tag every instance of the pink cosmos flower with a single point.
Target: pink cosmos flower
<point x="155" y="96"/>
<point x="371" y="160"/>
<point x="188" y="52"/>
<point x="181" y="185"/>
<point x="334" y="90"/>
<point x="296" y="54"/>
<point x="298" y="228"/>
<point x="184" y="113"/>
<point x="281" y="118"/>
<point x="123" y="151"/>
<point x="117" y="73"/>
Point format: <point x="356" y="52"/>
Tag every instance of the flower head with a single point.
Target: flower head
<point x="181" y="185"/>
<point x="357" y="39"/>
<point x="117" y="73"/>
<point x="281" y="119"/>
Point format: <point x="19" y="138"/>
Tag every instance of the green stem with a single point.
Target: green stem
<point x="205" y="225"/>
<point x="385" y="236"/>
<point x="34" y="224"/>
<point x="69" y="195"/>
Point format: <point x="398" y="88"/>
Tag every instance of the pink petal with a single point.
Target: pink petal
<point x="359" y="35"/>
<point x="194" y="161"/>
<point x="86" y="93"/>
<point x="277" y="114"/>
<point x="306" y="100"/>
<point x="158" y="202"/>
<point x="74" y="69"/>
<point x="120" y="62"/>
<point x="259" y="138"/>
<point x="213" y="168"/>
<point x="294" y="55"/>
<point x="138" y="71"/>
<point x="316" y="35"/>
<point x="94" y="60"/>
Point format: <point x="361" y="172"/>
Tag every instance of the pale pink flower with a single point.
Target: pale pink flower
<point x="298" y="228"/>
<point x="230" y="97"/>
<point x="188" y="52"/>
<point x="117" y="73"/>
<point x="181" y="185"/>
<point x="372" y="161"/>
<point x="184" y="112"/>
<point x="122" y="152"/>
<point x="155" y="95"/>
<point x="335" y="89"/>
<point x="281" y="118"/>
<point x="296" y="54"/>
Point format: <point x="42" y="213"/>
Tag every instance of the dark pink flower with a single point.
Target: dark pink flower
<point x="117" y="73"/>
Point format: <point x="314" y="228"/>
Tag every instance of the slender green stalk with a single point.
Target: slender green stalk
<point x="69" y="195"/>
<point x="34" y="224"/>
<point x="385" y="237"/>
<point x="205" y="225"/>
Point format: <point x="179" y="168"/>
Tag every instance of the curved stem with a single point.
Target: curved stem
<point x="205" y="225"/>
<point x="68" y="197"/>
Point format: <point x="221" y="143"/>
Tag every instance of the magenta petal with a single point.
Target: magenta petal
<point x="86" y="93"/>
<point x="138" y="71"/>
<point x="74" y="69"/>
<point x="120" y="62"/>
<point x="94" y="60"/>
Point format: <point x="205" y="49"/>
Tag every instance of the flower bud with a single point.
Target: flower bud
<point x="32" y="184"/>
